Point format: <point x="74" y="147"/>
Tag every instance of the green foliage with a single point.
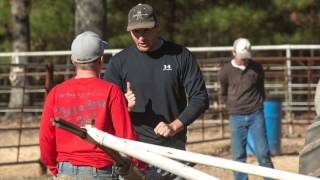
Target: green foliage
<point x="278" y="22"/>
<point x="222" y="24"/>
<point x="189" y="22"/>
<point x="5" y="36"/>
<point x="52" y="24"/>
<point x="293" y="4"/>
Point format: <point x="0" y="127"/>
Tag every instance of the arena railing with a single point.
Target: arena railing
<point x="214" y="56"/>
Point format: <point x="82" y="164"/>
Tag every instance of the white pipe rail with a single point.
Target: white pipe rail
<point x="145" y="155"/>
<point x="143" y="150"/>
<point x="50" y="53"/>
<point x="258" y="48"/>
<point x="220" y="162"/>
<point x="193" y="49"/>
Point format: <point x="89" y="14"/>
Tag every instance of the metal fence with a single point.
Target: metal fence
<point x="291" y="75"/>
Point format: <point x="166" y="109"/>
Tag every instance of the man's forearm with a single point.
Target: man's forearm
<point x="176" y="126"/>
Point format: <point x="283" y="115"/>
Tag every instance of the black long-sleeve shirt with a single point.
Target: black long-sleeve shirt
<point x="167" y="83"/>
<point x="242" y="90"/>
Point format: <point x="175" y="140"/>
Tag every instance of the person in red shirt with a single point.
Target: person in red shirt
<point x="85" y="96"/>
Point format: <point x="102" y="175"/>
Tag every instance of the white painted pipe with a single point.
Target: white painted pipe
<point x="220" y="162"/>
<point x="131" y="149"/>
<point x="214" y="161"/>
<point x="192" y="49"/>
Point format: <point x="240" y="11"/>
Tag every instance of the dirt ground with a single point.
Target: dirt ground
<point x="288" y="160"/>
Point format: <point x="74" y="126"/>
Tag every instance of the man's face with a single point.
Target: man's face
<point x="239" y="61"/>
<point x="146" y="39"/>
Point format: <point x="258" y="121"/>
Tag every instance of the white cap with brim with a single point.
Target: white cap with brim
<point x="87" y="47"/>
<point x="242" y="48"/>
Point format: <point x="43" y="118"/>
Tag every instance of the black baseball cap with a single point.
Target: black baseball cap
<point x="141" y="16"/>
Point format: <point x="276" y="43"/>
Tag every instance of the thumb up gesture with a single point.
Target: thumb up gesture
<point x="131" y="98"/>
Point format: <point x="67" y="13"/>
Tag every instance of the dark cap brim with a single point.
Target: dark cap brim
<point x="104" y="44"/>
<point x="140" y="25"/>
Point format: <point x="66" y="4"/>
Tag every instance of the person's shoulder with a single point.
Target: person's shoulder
<point x="172" y="44"/>
<point x="63" y="84"/>
<point x="175" y="46"/>
<point x="59" y="86"/>
<point x="102" y="82"/>
<point x="124" y="52"/>
<point x="108" y="85"/>
<point x="225" y="69"/>
<point x="256" y="64"/>
<point x="182" y="54"/>
<point x="226" y="65"/>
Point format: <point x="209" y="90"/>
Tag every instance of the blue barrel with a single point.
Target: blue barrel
<point x="273" y="116"/>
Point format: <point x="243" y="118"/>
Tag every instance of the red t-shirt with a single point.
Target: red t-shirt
<point x="76" y="100"/>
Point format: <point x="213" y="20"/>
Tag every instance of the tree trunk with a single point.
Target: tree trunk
<point x="90" y="16"/>
<point x="21" y="43"/>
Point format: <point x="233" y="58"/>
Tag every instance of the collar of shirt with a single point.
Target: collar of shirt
<point x="242" y="67"/>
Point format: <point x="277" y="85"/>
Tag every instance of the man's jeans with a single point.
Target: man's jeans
<point x="241" y="125"/>
<point x="67" y="171"/>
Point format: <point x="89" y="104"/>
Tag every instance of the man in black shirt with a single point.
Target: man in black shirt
<point x="162" y="80"/>
<point x="242" y="88"/>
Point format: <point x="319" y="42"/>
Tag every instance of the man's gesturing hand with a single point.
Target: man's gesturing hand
<point x="131" y="98"/>
<point x="171" y="129"/>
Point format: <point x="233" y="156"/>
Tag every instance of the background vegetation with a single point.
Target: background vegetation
<point x="189" y="22"/>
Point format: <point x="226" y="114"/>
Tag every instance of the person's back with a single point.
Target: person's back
<point x="84" y="97"/>
<point x="79" y="100"/>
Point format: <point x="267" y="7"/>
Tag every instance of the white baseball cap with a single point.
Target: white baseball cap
<point x="242" y="48"/>
<point x="87" y="47"/>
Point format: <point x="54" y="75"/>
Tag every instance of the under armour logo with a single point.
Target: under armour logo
<point x="139" y="15"/>
<point x="167" y="67"/>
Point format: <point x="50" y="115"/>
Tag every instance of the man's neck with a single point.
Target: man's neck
<point x="157" y="45"/>
<point x="238" y="62"/>
<point x="85" y="74"/>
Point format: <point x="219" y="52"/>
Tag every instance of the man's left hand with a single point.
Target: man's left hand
<point x="167" y="130"/>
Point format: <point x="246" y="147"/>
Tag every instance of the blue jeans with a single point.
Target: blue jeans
<point x="241" y="125"/>
<point x="68" y="171"/>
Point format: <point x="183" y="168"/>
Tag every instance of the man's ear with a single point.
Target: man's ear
<point x="101" y="59"/>
<point x="234" y="53"/>
<point x="71" y="60"/>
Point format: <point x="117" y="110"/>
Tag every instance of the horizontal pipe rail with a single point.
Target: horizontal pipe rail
<point x="18" y="110"/>
<point x="7" y="91"/>
<point x="193" y="49"/>
<point x="125" y="146"/>
<point x="18" y="129"/>
<point x="16" y="146"/>
<point x="19" y="162"/>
